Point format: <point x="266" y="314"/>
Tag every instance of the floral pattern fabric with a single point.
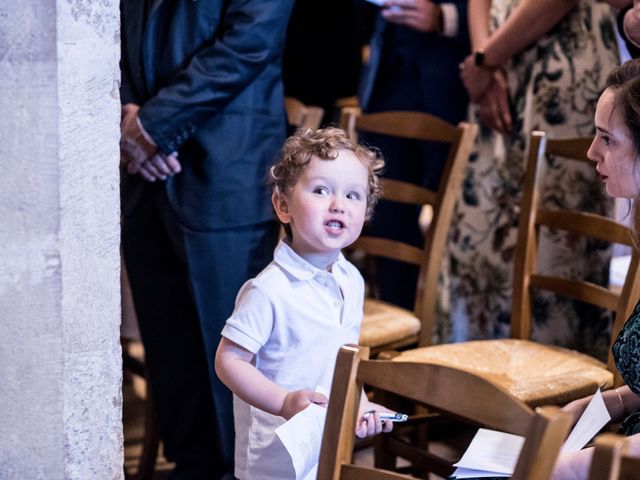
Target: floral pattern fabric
<point x="554" y="86"/>
<point x="626" y="352"/>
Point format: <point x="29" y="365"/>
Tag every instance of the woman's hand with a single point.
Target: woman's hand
<point x="295" y="402"/>
<point x="494" y="104"/>
<point x="369" y="425"/>
<point x="476" y="79"/>
<point x="576" y="408"/>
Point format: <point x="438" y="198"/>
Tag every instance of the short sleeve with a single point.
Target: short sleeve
<point x="251" y="322"/>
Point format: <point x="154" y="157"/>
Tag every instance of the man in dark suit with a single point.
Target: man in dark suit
<point x="202" y="119"/>
<point x="416" y="47"/>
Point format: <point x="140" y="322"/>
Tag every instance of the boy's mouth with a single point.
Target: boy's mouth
<point x="334" y="225"/>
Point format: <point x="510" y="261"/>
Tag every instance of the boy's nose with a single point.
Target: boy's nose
<point x="336" y="207"/>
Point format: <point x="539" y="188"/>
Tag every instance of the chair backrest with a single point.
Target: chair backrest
<point x="441" y="388"/>
<point x="611" y="461"/>
<point x="424" y="127"/>
<point x="302" y="116"/>
<point x="533" y="215"/>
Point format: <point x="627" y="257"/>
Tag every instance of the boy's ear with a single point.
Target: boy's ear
<point x="281" y="206"/>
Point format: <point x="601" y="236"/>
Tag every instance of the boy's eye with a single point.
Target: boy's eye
<point x="321" y="190"/>
<point x="353" y="196"/>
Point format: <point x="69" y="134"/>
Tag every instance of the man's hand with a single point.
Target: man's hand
<point x="421" y="15"/>
<point x="139" y="153"/>
<point x="297" y="401"/>
<point x="159" y="167"/>
<point x="135" y="147"/>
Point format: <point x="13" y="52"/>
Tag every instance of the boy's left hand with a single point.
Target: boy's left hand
<point x="372" y="425"/>
<point x="297" y="401"/>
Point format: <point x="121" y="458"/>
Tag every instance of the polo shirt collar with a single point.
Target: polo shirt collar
<point x="297" y="266"/>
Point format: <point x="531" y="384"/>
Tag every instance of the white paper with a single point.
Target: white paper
<point x="495" y="454"/>
<point x="471" y="473"/>
<point x="302" y="437"/>
<point x="594" y="417"/>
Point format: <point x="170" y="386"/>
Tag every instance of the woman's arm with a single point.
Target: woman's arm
<point x="233" y="366"/>
<point x="529" y="21"/>
<point x="620" y="402"/>
<point x="478" y="14"/>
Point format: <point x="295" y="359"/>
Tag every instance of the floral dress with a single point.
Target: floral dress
<point x="554" y="86"/>
<point x="626" y="352"/>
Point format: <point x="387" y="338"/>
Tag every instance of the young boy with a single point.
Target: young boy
<point x="280" y="343"/>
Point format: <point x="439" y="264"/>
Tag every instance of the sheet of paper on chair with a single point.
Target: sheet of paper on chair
<point x="302" y="437"/>
<point x="495" y="453"/>
<point x="594" y="417"/>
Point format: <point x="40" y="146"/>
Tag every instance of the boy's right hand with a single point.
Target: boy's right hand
<point x="295" y="402"/>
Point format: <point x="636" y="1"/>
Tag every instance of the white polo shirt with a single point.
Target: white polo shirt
<point x="294" y="317"/>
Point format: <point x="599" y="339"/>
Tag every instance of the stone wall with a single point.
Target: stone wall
<point x="60" y="372"/>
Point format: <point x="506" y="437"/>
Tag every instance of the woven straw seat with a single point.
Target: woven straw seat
<point x="384" y="324"/>
<point x="535" y="374"/>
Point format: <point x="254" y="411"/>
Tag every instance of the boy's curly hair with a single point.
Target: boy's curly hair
<point x="325" y="144"/>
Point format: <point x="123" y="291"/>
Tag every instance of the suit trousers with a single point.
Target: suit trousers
<point x="184" y="285"/>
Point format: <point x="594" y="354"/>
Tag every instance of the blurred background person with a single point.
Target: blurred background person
<point x="537" y="65"/>
<point x="322" y="54"/>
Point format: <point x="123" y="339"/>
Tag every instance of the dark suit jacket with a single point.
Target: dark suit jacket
<point x="207" y="74"/>
<point x="438" y="89"/>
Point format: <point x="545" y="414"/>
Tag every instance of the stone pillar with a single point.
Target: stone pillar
<point x="60" y="364"/>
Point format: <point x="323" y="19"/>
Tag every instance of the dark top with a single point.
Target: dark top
<point x="626" y="352"/>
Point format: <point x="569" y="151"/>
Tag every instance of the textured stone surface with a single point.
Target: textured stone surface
<point x="60" y="401"/>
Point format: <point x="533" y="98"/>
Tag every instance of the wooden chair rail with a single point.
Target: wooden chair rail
<point x="354" y="472"/>
<point x="577" y="289"/>
<point x="419" y="456"/>
<point x="585" y="223"/>
<point x="301" y="115"/>
<point x="452" y="383"/>
<point x="383" y="247"/>
<point x="415" y="125"/>
<point x="573" y="148"/>
<point x="404" y="192"/>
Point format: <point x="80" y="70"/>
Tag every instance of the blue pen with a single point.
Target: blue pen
<point x="394" y="417"/>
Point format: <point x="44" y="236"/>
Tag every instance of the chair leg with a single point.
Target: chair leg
<point x="147" y="466"/>
<point x="150" y="447"/>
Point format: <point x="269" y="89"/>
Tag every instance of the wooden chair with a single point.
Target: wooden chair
<point x="610" y="459"/>
<point x="540" y="374"/>
<point x="449" y="390"/>
<point x="386" y="326"/>
<point x="302" y="116"/>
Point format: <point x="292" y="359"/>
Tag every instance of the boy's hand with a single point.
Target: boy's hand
<point x="295" y="402"/>
<point x="372" y="425"/>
